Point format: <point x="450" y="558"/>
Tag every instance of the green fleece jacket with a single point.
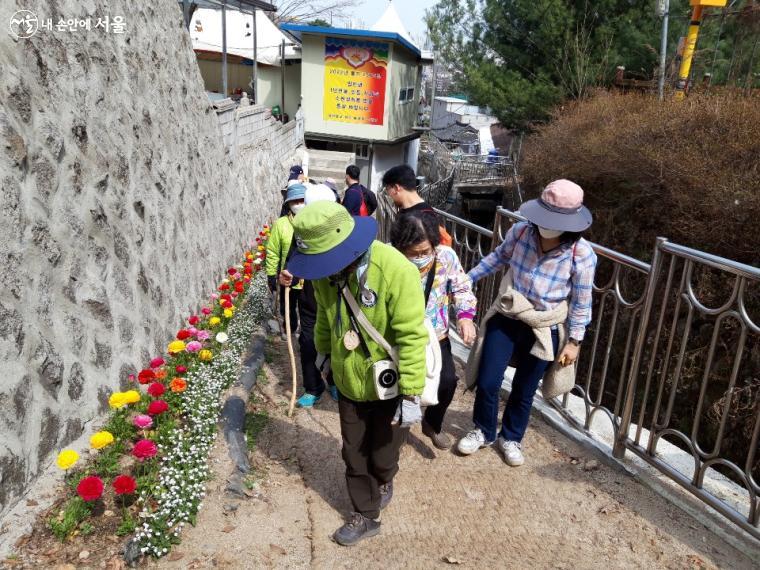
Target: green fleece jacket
<point x="398" y="315"/>
<point x="278" y="246"/>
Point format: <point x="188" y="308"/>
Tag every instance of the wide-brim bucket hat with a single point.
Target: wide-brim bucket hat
<point x="295" y="192"/>
<point x="559" y="208"/>
<point x="328" y="239"/>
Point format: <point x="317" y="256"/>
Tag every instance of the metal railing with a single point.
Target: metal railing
<point x="654" y="339"/>
<point x="485" y="170"/>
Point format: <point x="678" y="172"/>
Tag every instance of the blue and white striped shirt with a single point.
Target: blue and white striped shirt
<point x="546" y="279"/>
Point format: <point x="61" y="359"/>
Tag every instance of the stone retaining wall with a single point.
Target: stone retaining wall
<point x="121" y="206"/>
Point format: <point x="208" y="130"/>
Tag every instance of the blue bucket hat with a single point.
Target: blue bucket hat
<point x="295" y="192"/>
<point x="328" y="239"/>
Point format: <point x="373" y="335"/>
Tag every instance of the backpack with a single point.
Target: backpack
<point x="369" y="202"/>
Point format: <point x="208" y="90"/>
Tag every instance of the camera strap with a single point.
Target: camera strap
<point x="361" y="318"/>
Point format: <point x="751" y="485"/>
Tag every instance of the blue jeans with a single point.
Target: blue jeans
<point x="504" y="338"/>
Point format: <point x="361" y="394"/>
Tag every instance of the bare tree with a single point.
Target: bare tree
<point x="304" y="11"/>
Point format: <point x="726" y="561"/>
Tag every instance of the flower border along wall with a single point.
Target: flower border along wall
<point x="149" y="462"/>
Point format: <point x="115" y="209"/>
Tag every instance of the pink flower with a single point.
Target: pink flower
<point x="236" y="276"/>
<point x="204" y="335"/>
<point x="234" y="294"/>
<point x="214" y="296"/>
<point x="181" y="369"/>
<point x="206" y="310"/>
<point x="157" y="362"/>
<point x="144" y="449"/>
<point x="131" y="377"/>
<point x="142" y="421"/>
<point x="193" y="331"/>
<point x="193" y="346"/>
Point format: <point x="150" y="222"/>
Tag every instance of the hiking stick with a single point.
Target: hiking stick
<point x="290" y="351"/>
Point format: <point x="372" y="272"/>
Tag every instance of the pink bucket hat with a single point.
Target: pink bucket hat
<point x="560" y="207"/>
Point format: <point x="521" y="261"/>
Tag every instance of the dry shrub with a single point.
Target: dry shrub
<point x="689" y="171"/>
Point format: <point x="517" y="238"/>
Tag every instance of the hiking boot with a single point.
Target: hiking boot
<point x="333" y="392"/>
<point x="357" y="528"/>
<point x="473" y="441"/>
<point x="386" y="494"/>
<point x="439" y="439"/>
<point x="307" y="400"/>
<point x="512" y="451"/>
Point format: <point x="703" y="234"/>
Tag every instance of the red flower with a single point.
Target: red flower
<point x="226" y="297"/>
<point x="157" y="407"/>
<point x="90" y="488"/>
<point x="146" y="376"/>
<point x="258" y="240"/>
<point x="239" y="286"/>
<point x="224" y="287"/>
<point x="183" y="334"/>
<point x="124" y="485"/>
<point x="144" y="449"/>
<point x="157" y="362"/>
<point x="226" y="304"/>
<point x="194" y="320"/>
<point x="181" y="369"/>
<point x="231" y="271"/>
<point x="156" y="389"/>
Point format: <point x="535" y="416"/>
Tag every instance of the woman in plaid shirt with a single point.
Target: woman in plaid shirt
<point x="553" y="268"/>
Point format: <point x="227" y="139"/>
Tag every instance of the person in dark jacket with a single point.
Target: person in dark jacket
<point x="357" y="199"/>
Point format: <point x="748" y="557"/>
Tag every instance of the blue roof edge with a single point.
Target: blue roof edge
<point x="304" y="29"/>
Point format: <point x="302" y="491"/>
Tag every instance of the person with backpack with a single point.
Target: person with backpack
<point x="306" y="308"/>
<point x="539" y="317"/>
<point x="277" y="248"/>
<point x="357" y="199"/>
<point x="366" y="291"/>
<point x="400" y="183"/>
<point x="442" y="278"/>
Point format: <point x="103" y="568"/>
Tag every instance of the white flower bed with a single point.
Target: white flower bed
<point x="184" y="461"/>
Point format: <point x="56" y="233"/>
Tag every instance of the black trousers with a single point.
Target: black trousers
<point x="295" y="298"/>
<point x="307" y="309"/>
<point x="446" y="388"/>
<point x="370" y="450"/>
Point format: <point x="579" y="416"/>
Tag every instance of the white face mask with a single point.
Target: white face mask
<point x="422" y="261"/>
<point x="549" y="234"/>
<point x="295" y="208"/>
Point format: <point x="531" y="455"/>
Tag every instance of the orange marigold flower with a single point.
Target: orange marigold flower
<point x="161" y="373"/>
<point x="178" y="385"/>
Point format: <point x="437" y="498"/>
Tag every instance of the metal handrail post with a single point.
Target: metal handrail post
<point x="618" y="451"/>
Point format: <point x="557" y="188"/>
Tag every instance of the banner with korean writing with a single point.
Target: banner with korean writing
<point x="355" y="77"/>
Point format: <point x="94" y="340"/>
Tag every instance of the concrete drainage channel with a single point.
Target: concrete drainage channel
<point x="233" y="416"/>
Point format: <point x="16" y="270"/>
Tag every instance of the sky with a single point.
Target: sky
<point x="410" y="11"/>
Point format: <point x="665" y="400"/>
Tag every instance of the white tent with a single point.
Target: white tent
<point x="390" y="21"/>
<point x="206" y="33"/>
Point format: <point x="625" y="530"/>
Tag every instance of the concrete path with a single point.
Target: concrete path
<point x="560" y="510"/>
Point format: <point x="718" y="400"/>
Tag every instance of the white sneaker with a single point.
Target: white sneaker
<point x="473" y="441"/>
<point x="512" y="451"/>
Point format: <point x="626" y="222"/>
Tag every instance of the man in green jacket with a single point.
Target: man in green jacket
<point x="339" y="251"/>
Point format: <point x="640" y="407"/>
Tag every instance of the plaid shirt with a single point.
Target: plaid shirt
<point x="546" y="281"/>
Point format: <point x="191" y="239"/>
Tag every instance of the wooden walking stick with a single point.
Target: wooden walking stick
<point x="290" y="352"/>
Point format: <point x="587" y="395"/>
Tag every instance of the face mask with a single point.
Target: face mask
<point x="422" y="261"/>
<point x="295" y="208"/>
<point x="549" y="234"/>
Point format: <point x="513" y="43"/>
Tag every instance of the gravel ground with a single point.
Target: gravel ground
<point x="561" y="509"/>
